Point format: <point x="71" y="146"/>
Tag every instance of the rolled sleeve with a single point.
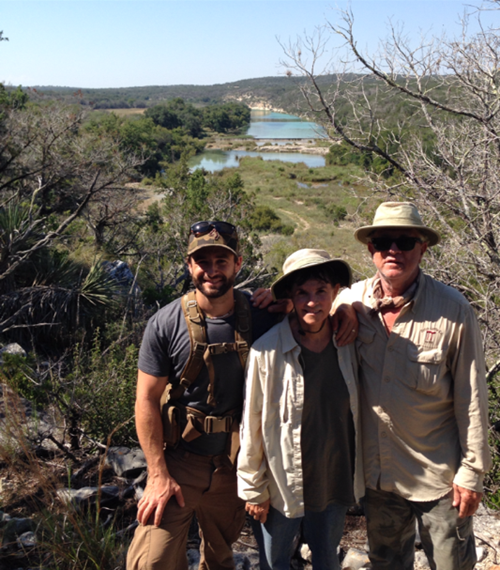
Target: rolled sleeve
<point x="471" y="404"/>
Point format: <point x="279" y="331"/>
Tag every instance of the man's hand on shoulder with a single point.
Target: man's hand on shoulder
<point x="263" y="299"/>
<point x="466" y="501"/>
<point x="156" y="496"/>
<point x="345" y="323"/>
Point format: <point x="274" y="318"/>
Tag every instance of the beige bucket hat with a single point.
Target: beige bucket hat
<point x="397" y="215"/>
<point x="304" y="258"/>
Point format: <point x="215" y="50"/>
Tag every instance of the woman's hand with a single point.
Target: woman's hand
<point x="258" y="512"/>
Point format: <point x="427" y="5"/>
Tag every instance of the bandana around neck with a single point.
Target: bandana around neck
<point x="381" y="303"/>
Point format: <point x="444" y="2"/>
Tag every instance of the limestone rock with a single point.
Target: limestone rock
<point x="12" y="348"/>
<point x="14" y="528"/>
<point x="355" y="559"/>
<point x="88" y="494"/>
<point x="129" y="463"/>
<point x="421" y="562"/>
<point x="26" y="540"/>
<point x="121" y="273"/>
<point x="305" y="553"/>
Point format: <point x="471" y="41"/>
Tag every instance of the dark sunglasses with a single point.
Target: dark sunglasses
<point x="203" y="228"/>
<point x="404" y="243"/>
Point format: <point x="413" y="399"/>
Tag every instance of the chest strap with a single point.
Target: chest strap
<point x="201" y="352"/>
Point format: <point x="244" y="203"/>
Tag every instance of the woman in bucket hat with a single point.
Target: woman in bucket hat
<point x="297" y="463"/>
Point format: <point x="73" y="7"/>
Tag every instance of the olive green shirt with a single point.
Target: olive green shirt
<point x="327" y="435"/>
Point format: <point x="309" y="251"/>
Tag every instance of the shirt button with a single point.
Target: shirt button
<point x="390" y="349"/>
<point x="387" y="379"/>
<point x="383" y="434"/>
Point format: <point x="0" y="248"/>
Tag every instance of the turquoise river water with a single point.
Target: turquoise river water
<point x="268" y="126"/>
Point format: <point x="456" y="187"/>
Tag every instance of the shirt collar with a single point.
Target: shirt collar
<point x="288" y="341"/>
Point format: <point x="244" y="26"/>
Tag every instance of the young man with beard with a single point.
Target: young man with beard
<point x="197" y="475"/>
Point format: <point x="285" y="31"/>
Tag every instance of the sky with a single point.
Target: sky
<point x="126" y="43"/>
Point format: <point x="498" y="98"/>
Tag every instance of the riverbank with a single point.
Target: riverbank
<point x="303" y="146"/>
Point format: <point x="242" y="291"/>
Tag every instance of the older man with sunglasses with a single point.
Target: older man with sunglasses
<point x="195" y="473"/>
<point x="423" y="400"/>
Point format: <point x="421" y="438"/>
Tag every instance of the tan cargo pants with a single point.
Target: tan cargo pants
<point x="209" y="488"/>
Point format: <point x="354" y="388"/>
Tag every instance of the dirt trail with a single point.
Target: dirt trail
<point x="304" y="224"/>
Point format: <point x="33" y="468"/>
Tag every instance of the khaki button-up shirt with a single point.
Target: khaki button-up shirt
<point x="423" y="393"/>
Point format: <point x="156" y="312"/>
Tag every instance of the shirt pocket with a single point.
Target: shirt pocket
<point x="364" y="344"/>
<point x="426" y="368"/>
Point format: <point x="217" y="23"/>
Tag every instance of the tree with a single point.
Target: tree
<point x="226" y="117"/>
<point x="144" y="137"/>
<point x="177" y="114"/>
<point x="53" y="174"/>
<point x="431" y="113"/>
<point x="190" y="197"/>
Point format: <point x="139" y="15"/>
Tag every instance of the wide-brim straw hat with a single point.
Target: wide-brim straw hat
<point x="395" y="216"/>
<point x="304" y="258"/>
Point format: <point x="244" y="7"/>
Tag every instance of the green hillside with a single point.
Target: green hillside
<point x="276" y="92"/>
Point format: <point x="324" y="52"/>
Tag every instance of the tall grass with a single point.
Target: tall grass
<point x="92" y="408"/>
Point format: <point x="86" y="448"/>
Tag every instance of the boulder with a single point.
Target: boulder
<point x="12" y="348"/>
<point x="26" y="540"/>
<point x="108" y="494"/>
<point x="14" y="528"/>
<point x="121" y="273"/>
<point x="125" y="462"/>
<point x="355" y="559"/>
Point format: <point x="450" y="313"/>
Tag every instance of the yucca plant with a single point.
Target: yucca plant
<point x="63" y="300"/>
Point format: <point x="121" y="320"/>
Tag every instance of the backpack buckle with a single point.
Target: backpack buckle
<point x="218" y="424"/>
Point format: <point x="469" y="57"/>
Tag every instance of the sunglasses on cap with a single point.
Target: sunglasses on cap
<point x="403" y="243"/>
<point x="203" y="228"/>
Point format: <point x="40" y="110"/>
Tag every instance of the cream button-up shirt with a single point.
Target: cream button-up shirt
<point x="423" y="394"/>
<point x="270" y="458"/>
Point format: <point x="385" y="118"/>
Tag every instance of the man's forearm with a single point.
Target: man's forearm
<point x="150" y="432"/>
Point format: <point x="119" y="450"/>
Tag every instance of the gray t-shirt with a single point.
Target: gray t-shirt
<point x="165" y="350"/>
<point x="327" y="432"/>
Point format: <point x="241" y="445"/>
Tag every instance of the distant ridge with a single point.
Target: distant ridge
<point x="278" y="93"/>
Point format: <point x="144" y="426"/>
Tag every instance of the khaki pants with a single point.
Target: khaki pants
<point x="209" y="488"/>
<point x="447" y="540"/>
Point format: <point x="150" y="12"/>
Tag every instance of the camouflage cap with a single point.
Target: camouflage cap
<point x="213" y="234"/>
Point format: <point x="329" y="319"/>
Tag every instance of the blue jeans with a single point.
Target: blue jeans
<point x="259" y="538"/>
<point x="322" y="532"/>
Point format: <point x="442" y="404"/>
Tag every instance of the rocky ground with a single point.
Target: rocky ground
<point x="123" y="480"/>
<point x="118" y="483"/>
<point x="354" y="555"/>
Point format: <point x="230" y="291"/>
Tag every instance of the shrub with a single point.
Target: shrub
<point x="336" y="213"/>
<point x="264" y="218"/>
<point x="102" y="386"/>
<point x="95" y="399"/>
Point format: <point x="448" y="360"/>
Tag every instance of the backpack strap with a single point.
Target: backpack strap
<point x="243" y="330"/>
<point x="201" y="352"/>
<point x="197" y="328"/>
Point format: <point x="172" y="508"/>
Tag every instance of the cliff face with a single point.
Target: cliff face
<point x="256" y="102"/>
